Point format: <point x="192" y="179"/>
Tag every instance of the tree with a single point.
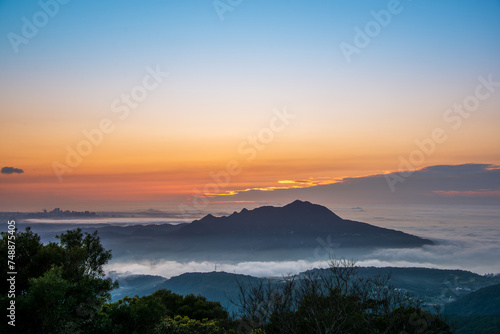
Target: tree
<point x="31" y="259"/>
<point x="60" y="287"/>
<point x="143" y="315"/>
<point x="84" y="256"/>
<point x="336" y="300"/>
<point x="185" y="325"/>
<point x="48" y="302"/>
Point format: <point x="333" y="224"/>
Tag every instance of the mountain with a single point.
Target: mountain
<point x="485" y="301"/>
<point x="299" y="230"/>
<point x="433" y="286"/>
<point x="131" y="285"/>
<point x="267" y="220"/>
<point x="477" y="312"/>
<point x="137" y="230"/>
<point x="216" y="286"/>
<point x="298" y="224"/>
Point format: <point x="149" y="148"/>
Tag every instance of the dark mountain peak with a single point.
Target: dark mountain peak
<point x="295" y="205"/>
<point x="297" y="216"/>
<point x="213" y="274"/>
<point x="208" y="218"/>
<point x="298" y="224"/>
<point x="299" y="203"/>
<point x="305" y="207"/>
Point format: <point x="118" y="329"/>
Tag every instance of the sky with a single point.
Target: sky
<point x="126" y="105"/>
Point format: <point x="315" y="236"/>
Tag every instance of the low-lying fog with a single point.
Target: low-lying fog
<point x="467" y="237"/>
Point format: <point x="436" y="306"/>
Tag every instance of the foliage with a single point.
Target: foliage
<point x="48" y="300"/>
<point x="475" y="324"/>
<point x="60" y="287"/>
<point x="485" y="301"/>
<point x="185" y="325"/>
<point x="337" y="301"/>
<point x="32" y="259"/>
<point x="142" y="315"/>
<point x="217" y="286"/>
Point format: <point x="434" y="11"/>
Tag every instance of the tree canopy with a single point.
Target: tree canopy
<point x="60" y="287"/>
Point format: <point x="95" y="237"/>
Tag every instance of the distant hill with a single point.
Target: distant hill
<point x="269" y="220"/>
<point x="216" y="286"/>
<point x="474" y="324"/>
<point x="485" y="301"/>
<point x="132" y="285"/>
<point x="296" y="225"/>
<point x="295" y="231"/>
<point x="477" y="312"/>
<point x="433" y="286"/>
<point x="136" y="230"/>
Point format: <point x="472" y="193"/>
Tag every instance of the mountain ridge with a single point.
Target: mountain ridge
<point x="298" y="230"/>
<point x="298" y="223"/>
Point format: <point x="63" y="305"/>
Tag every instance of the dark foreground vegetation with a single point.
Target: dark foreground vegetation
<point x="476" y="313"/>
<point x="61" y="288"/>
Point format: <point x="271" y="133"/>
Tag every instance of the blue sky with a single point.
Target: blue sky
<point x="226" y="76"/>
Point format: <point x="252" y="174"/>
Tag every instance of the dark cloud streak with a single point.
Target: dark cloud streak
<point x="471" y="183"/>
<point x="11" y="170"/>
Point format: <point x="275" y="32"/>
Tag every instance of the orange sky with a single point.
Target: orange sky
<point x="185" y="93"/>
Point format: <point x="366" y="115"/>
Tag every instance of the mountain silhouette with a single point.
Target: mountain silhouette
<point x="299" y="230"/>
<point x="296" y="224"/>
<point x="299" y="216"/>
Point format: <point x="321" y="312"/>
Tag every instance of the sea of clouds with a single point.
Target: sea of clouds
<point x="467" y="237"/>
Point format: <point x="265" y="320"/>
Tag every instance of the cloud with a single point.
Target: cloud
<point x="479" y="192"/>
<point x="465" y="255"/>
<point x="458" y="255"/>
<point x="442" y="184"/>
<point x="11" y="170"/>
<point x="170" y="269"/>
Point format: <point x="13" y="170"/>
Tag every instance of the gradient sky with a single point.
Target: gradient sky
<point x="226" y="79"/>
